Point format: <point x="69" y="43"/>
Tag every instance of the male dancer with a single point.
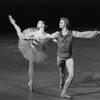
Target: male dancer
<point x="64" y="40"/>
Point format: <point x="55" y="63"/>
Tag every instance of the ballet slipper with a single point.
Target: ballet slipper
<point x="63" y="95"/>
<point x="30" y="86"/>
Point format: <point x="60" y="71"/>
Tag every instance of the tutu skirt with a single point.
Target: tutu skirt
<point x="29" y="53"/>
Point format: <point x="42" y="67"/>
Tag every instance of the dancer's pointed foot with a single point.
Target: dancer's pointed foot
<point x="30" y="86"/>
<point x="11" y="19"/>
<point x="66" y="96"/>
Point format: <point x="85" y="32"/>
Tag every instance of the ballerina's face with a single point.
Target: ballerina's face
<point x="40" y="24"/>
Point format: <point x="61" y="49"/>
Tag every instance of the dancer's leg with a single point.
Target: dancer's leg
<point x="30" y="72"/>
<point x="17" y="28"/>
<point x="70" y="67"/>
<point x="62" y="69"/>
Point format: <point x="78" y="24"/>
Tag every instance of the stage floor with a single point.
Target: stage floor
<point x="14" y="72"/>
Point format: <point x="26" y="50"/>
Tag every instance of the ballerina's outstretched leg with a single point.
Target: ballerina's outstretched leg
<point x="17" y="28"/>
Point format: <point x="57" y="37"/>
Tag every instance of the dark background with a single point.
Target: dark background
<point x="83" y="14"/>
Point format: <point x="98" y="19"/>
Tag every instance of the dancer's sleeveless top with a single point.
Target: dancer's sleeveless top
<point x="28" y="52"/>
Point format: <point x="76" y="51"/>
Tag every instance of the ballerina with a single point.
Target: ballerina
<point x="31" y="44"/>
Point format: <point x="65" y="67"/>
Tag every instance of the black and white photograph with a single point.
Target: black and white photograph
<point x="49" y="49"/>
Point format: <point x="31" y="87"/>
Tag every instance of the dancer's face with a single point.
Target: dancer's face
<point x="40" y="24"/>
<point x="62" y="24"/>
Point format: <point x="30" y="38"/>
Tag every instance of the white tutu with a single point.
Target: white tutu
<point x="28" y="52"/>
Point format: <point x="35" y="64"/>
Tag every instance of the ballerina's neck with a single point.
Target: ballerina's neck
<point x="41" y="31"/>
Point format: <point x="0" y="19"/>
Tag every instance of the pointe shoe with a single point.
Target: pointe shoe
<point x="31" y="86"/>
<point x="66" y="96"/>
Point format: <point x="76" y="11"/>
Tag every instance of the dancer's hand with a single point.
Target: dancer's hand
<point x="32" y="45"/>
<point x="98" y="32"/>
<point x="55" y="34"/>
<point x="11" y="19"/>
<point x="55" y="40"/>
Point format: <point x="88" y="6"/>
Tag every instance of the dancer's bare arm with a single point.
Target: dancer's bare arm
<point x="17" y="28"/>
<point x="52" y="36"/>
<point x="85" y="34"/>
<point x="55" y="40"/>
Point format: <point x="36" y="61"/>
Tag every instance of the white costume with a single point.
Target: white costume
<point x="26" y="47"/>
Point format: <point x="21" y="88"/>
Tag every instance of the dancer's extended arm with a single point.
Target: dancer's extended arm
<point x="85" y="34"/>
<point x="52" y="36"/>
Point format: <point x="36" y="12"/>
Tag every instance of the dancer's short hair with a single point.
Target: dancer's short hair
<point x="66" y="21"/>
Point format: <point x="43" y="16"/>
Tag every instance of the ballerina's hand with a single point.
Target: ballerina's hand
<point x="11" y="19"/>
